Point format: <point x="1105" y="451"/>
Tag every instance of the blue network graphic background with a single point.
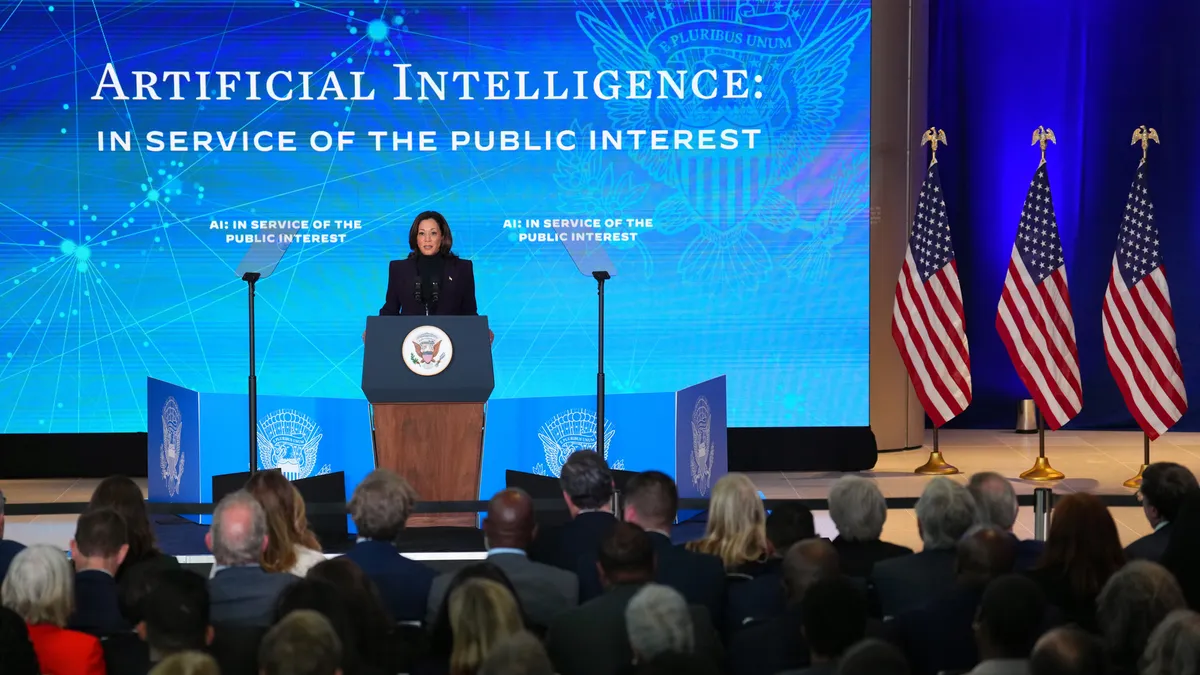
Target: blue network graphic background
<point x="109" y="272"/>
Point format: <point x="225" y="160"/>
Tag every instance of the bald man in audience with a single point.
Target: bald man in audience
<point x="544" y="591"/>
<point x="1067" y="651"/>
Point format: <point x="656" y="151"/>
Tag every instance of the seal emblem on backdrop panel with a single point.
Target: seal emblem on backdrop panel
<point x="170" y="453"/>
<point x="288" y="440"/>
<point x="702" y="446"/>
<point x="427" y="350"/>
<point x="568" y="431"/>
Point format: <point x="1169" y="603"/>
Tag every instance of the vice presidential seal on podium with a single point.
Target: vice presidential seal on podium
<point x="427" y="372"/>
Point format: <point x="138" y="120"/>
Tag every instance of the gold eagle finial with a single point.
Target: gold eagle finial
<point x="1145" y="136"/>
<point x="1040" y="136"/>
<point x="933" y="136"/>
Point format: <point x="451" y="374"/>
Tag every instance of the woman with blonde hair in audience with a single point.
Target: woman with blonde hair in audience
<point x="482" y="613"/>
<point x="291" y="546"/>
<point x="40" y="588"/>
<point x="737" y="527"/>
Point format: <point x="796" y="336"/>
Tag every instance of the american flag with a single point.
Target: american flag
<point x="927" y="318"/>
<point x="1034" y="317"/>
<point x="1139" y="327"/>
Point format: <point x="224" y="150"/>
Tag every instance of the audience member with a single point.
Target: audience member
<point x="291" y="546"/>
<point x="176" y="615"/>
<point x="380" y="508"/>
<point x="187" y="663"/>
<point x="518" y="654"/>
<point x="736" y="531"/>
<point x="122" y="495"/>
<point x="98" y="549"/>
<point x="1067" y="650"/>
<point x="945" y="512"/>
<point x="592" y="639"/>
<point x="8" y="548"/>
<point x="1174" y="647"/>
<point x="324" y="598"/>
<point x="674" y="663"/>
<point x="760" y="597"/>
<point x="873" y="657"/>
<point x="651" y="502"/>
<point x="482" y="613"/>
<point x="1182" y="555"/>
<point x="658" y="621"/>
<point x="1082" y="552"/>
<point x="441" y="637"/>
<point x="1164" y="485"/>
<point x="1010" y="619"/>
<point x="380" y="642"/>
<point x="996" y="506"/>
<point x="242" y="592"/>
<point x="776" y="643"/>
<point x="16" y="651"/>
<point x="1130" y="606"/>
<point x="544" y="591"/>
<point x="835" y="619"/>
<point x="939" y="636"/>
<point x="302" y="643"/>
<point x="38" y="587"/>
<point x="859" y="511"/>
<point x="587" y="486"/>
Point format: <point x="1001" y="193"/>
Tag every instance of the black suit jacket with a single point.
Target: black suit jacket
<point x="17" y="656"/>
<point x="940" y="636"/>
<point x="246" y="596"/>
<point x="403" y="583"/>
<point x="97" y="610"/>
<point x="8" y="550"/>
<point x="857" y="558"/>
<point x="592" y="639"/>
<point x="769" y="646"/>
<point x="755" y="599"/>
<point x="1150" y="547"/>
<point x="566" y="545"/>
<point x="909" y="582"/>
<point x="456" y="290"/>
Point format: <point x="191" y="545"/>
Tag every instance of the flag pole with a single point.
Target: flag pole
<point x="1041" y="466"/>
<point x="936" y="465"/>
<point x="1136" y="481"/>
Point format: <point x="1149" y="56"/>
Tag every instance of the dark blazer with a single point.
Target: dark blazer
<point x="246" y="596"/>
<point x="908" y="582"/>
<point x="1150" y="547"/>
<point x="16" y="651"/>
<point x="566" y="545"/>
<point x="940" y="636"/>
<point x="592" y="639"/>
<point x="758" y="598"/>
<point x="456" y="290"/>
<point x="1065" y="606"/>
<point x="857" y="558"/>
<point x="8" y="550"/>
<point x="404" y="584"/>
<point x="544" y="591"/>
<point x="1029" y="552"/>
<point x="769" y="646"/>
<point x="97" y="609"/>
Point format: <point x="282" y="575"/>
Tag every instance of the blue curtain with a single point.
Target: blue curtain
<point x="1092" y="71"/>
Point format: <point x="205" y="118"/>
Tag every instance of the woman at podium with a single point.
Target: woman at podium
<point x="432" y="279"/>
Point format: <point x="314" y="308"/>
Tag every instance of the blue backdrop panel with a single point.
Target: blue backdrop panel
<point x="701" y="444"/>
<point x="173" y="450"/>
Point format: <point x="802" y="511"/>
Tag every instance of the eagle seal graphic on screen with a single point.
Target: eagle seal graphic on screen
<point x="288" y="441"/>
<point x="170" y="453"/>
<point x="703" y="451"/>
<point x="797" y="58"/>
<point x="565" y="433"/>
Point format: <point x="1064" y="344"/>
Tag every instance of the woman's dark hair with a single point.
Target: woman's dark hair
<point x="1083" y="544"/>
<point x="327" y="600"/>
<point x="441" y="640"/>
<point x="443" y="227"/>
<point x="122" y="495"/>
<point x="369" y="616"/>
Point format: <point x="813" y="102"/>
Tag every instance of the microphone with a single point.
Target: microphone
<point x="417" y="289"/>
<point x="433" y="299"/>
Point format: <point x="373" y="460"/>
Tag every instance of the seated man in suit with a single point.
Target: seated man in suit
<point x="544" y="591"/>
<point x="302" y="643"/>
<point x="587" y="486"/>
<point x="592" y="639"/>
<point x="242" y="592"/>
<point x="1009" y="622"/>
<point x="651" y="501"/>
<point x="835" y="619"/>
<point x="996" y="506"/>
<point x="1164" y="485"/>
<point x="8" y="548"/>
<point x="762" y="596"/>
<point x="176" y="615"/>
<point x="98" y="549"/>
<point x="380" y="508"/>
<point x="859" y="511"/>
<point x="776" y="643"/>
<point x="945" y="512"/>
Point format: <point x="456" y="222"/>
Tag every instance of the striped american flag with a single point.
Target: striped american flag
<point x="927" y="317"/>
<point x="1139" y="326"/>
<point x="1034" y="318"/>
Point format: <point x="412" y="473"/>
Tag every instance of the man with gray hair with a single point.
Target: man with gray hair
<point x="658" y="621"/>
<point x="242" y="593"/>
<point x="996" y="506"/>
<point x="945" y="512"/>
<point x="8" y="548"/>
<point x="587" y="487"/>
<point x="859" y="511"/>
<point x="1130" y="606"/>
<point x="302" y="643"/>
<point x="380" y="508"/>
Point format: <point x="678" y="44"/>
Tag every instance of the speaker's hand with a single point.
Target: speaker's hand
<point x="491" y="337"/>
<point x="364" y="337"/>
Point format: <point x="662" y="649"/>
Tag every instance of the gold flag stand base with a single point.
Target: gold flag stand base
<point x="1042" y="471"/>
<point x="936" y="466"/>
<point x="1136" y="481"/>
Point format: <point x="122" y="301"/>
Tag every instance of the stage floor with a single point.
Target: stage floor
<point x="1093" y="461"/>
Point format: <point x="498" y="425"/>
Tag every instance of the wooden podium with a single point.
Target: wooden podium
<point x="427" y="416"/>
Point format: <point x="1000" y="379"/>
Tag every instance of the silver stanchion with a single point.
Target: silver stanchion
<point x="1042" y="503"/>
<point x="1027" y="417"/>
